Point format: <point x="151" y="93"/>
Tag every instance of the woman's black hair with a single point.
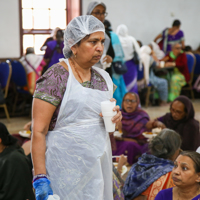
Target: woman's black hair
<point x="195" y="158"/>
<point x="176" y="23"/>
<point x="165" y="144"/>
<point x="107" y="25"/>
<point x="5" y="136"/>
<point x="59" y="39"/>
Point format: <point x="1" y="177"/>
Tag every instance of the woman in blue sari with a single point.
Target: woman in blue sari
<point x="118" y="79"/>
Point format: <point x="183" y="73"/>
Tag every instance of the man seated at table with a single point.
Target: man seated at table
<point x="180" y="75"/>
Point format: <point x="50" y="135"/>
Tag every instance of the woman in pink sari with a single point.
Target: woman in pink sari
<point x="133" y="124"/>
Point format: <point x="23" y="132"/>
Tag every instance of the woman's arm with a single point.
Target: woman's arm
<point x="158" y="36"/>
<point x="42" y="114"/>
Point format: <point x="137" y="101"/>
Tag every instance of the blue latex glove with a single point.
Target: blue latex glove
<point x="42" y="188"/>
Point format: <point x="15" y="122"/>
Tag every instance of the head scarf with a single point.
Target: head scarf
<point x="159" y="53"/>
<point x="6" y="138"/>
<point x="142" y="174"/>
<point x="92" y="5"/>
<point x="128" y="43"/>
<point x="77" y="29"/>
<point x="133" y="124"/>
<point x="187" y="127"/>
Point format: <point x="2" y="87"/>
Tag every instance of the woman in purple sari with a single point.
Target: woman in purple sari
<point x="170" y="36"/>
<point x="186" y="177"/>
<point x="133" y="124"/>
<point x="54" y="50"/>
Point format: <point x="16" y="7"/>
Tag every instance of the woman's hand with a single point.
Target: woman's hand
<point x="159" y="125"/>
<point x="42" y="188"/>
<point x="107" y="59"/>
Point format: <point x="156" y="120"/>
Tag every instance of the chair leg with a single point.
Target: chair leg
<point x="192" y="94"/>
<point x="147" y="96"/>
<point x="6" y="112"/>
<point x="15" y="103"/>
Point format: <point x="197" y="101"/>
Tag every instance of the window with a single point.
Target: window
<point x="40" y="17"/>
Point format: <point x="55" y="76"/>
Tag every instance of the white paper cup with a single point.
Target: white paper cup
<point x="107" y="106"/>
<point x="110" y="126"/>
<point x="162" y="64"/>
<point x="53" y="197"/>
<point x="108" y="113"/>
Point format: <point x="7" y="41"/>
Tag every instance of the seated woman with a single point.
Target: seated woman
<point x="181" y="119"/>
<point x="134" y="119"/>
<point x="149" y="59"/>
<point x="180" y="75"/>
<point x="152" y="172"/>
<point x="186" y="177"/>
<point x="15" y="170"/>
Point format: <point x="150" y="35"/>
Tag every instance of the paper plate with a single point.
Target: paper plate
<point x="117" y="134"/>
<point x="149" y="136"/>
<point x="25" y="134"/>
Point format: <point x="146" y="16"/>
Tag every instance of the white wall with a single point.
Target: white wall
<point x="147" y="18"/>
<point x="9" y="29"/>
<point x="144" y="18"/>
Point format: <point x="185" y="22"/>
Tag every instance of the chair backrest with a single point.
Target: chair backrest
<point x="19" y="76"/>
<point x="5" y="75"/>
<point x="191" y="62"/>
<point x="197" y="66"/>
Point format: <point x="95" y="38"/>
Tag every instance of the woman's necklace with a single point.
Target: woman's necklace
<point x="189" y="198"/>
<point x="73" y="64"/>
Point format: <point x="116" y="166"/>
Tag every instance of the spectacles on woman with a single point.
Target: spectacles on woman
<point x="98" y="14"/>
<point x="130" y="101"/>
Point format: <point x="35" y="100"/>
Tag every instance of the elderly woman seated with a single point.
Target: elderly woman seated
<point x="152" y="172"/>
<point x="133" y="124"/>
<point x="180" y="76"/>
<point x="181" y="119"/>
<point x="186" y="177"/>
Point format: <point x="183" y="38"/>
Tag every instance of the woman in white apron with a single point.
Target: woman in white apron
<point x="73" y="160"/>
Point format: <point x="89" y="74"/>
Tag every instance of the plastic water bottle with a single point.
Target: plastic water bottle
<point x="53" y="197"/>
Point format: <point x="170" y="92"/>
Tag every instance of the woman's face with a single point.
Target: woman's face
<point x="183" y="173"/>
<point x="99" y="12"/>
<point x="90" y="49"/>
<point x="130" y="103"/>
<point x="177" y="110"/>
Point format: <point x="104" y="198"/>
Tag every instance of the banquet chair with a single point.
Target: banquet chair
<point x="197" y="66"/>
<point x="21" y="89"/>
<point x="191" y="61"/>
<point x="149" y="87"/>
<point x="5" y="75"/>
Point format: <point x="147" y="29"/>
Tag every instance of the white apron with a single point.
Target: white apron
<point x="78" y="155"/>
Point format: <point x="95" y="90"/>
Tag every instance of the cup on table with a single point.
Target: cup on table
<point x="162" y="64"/>
<point x="108" y="113"/>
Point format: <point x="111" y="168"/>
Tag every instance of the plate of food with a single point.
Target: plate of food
<point x="24" y="133"/>
<point x="156" y="130"/>
<point x="124" y="168"/>
<point x="117" y="134"/>
<point x="149" y="134"/>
